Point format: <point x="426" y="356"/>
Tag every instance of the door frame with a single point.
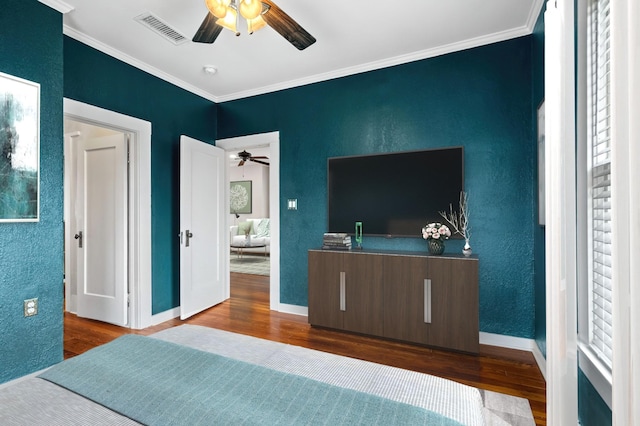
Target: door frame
<point x="272" y="140"/>
<point x="139" y="241"/>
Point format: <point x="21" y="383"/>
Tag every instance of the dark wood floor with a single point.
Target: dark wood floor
<point x="247" y="311"/>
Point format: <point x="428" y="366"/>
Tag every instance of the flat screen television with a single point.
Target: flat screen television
<point x="394" y="194"/>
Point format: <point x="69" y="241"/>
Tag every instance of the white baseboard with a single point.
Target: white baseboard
<point x="175" y="313"/>
<point x="165" y="316"/>
<point x="519" y="343"/>
<point x="23" y="378"/>
<point x="540" y="359"/>
<point x="503" y="341"/>
<point x="293" y="309"/>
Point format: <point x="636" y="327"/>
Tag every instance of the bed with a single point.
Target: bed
<point x="38" y="401"/>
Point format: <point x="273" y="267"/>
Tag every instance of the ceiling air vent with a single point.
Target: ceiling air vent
<point x="158" y="26"/>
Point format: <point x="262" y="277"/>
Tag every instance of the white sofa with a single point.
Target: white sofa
<point x="259" y="230"/>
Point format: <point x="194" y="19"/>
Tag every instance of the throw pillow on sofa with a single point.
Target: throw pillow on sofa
<point x="245" y="228"/>
<point x="262" y="229"/>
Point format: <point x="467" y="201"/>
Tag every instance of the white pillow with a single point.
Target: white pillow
<point x="262" y="230"/>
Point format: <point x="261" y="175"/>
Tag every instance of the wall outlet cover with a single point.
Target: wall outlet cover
<point x="31" y="307"/>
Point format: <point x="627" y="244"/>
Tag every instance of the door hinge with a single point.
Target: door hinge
<point x="128" y="301"/>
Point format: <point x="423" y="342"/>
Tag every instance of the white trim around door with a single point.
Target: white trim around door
<point x="272" y="140"/>
<point x="139" y="201"/>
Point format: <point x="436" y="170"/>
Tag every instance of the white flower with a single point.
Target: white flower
<point x="436" y="231"/>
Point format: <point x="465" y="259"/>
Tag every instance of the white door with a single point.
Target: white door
<point x="203" y="243"/>
<point x="101" y="234"/>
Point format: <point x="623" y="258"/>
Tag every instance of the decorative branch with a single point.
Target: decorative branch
<point x="459" y="220"/>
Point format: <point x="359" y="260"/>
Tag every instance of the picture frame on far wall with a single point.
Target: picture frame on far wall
<point x="20" y="149"/>
<point x="541" y="168"/>
<point x="240" y="197"/>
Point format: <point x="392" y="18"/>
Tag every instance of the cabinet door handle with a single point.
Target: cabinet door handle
<point x="427" y="301"/>
<point x="343" y="291"/>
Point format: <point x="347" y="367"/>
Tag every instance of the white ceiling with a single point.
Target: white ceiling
<point x="352" y="37"/>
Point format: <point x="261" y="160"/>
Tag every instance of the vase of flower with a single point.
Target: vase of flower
<point x="436" y="247"/>
<point x="436" y="234"/>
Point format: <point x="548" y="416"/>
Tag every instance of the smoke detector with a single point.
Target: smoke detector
<point x="210" y="69"/>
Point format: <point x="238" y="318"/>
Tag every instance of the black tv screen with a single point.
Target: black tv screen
<point x="394" y="194"/>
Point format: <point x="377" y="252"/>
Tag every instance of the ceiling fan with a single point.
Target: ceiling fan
<point x="257" y="13"/>
<point x="246" y="156"/>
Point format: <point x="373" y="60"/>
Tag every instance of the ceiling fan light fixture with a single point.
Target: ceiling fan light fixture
<point x="255" y="24"/>
<point x="229" y="21"/>
<point x="258" y="13"/>
<point x="250" y="9"/>
<point x="218" y="7"/>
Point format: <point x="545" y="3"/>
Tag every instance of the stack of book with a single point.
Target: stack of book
<point x="336" y="241"/>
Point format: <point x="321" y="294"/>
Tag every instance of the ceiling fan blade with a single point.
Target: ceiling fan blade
<point x="287" y="27"/>
<point x="208" y="31"/>
<point x="260" y="156"/>
<point x="260" y="161"/>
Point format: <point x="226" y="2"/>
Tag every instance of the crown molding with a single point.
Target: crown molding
<point x="58" y="5"/>
<point x="527" y="29"/>
<point x="386" y="63"/>
<point x="83" y="38"/>
<point x="534" y="12"/>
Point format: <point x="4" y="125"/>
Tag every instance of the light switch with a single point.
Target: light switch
<point x="292" y="204"/>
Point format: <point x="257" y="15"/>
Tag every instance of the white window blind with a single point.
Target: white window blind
<point x="599" y="181"/>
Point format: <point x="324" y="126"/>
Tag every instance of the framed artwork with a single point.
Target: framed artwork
<point x="20" y="149"/>
<point x="240" y="197"/>
<point x="541" y="168"/>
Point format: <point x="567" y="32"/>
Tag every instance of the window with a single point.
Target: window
<point x="599" y="180"/>
<point x="595" y="307"/>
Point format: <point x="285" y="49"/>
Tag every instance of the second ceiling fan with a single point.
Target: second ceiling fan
<point x="257" y="13"/>
<point x="246" y="156"/>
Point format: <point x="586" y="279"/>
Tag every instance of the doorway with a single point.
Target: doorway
<point x="96" y="282"/>
<point x="249" y="214"/>
<point x="271" y="142"/>
<point x="138" y="218"/>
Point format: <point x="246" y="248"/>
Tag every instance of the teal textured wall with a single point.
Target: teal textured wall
<point x="31" y="262"/>
<point x="479" y="98"/>
<point x="95" y="78"/>
<point x="592" y="410"/>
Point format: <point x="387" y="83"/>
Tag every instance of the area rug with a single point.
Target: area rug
<point x="157" y="382"/>
<point x="451" y="399"/>
<point x="250" y="264"/>
<point x="37" y="402"/>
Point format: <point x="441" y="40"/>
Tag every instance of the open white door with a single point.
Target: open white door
<point x="203" y="241"/>
<point x="101" y="234"/>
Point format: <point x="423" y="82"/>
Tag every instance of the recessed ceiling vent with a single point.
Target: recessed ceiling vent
<point x="160" y="27"/>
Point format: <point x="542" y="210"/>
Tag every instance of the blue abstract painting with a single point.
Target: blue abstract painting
<point x="19" y="149"/>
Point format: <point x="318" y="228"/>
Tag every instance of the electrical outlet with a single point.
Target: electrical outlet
<point x="31" y="307"/>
